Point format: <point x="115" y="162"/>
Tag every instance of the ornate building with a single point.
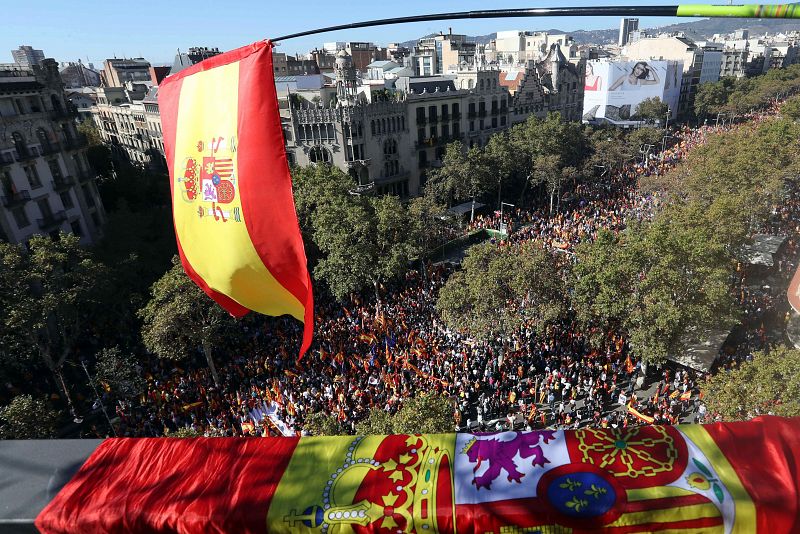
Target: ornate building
<point x="389" y="144"/>
<point x="46" y="184"/>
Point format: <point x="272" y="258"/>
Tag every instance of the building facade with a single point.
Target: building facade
<point x="118" y="71"/>
<point x="46" y="183"/>
<point x="27" y="56"/>
<point x="389" y="145"/>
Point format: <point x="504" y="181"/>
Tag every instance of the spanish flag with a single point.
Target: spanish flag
<point x="235" y="221"/>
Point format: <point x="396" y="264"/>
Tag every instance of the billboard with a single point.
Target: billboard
<point x="614" y="89"/>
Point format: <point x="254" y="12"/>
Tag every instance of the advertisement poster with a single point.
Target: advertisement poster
<point x="613" y="90"/>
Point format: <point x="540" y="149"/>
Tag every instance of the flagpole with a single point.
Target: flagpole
<point x="684" y="10"/>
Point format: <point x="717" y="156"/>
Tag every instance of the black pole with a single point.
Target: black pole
<point x="601" y="11"/>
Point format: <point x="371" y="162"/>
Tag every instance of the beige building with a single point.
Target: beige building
<point x="676" y="48"/>
<point x="118" y="71"/>
<point x="390" y="145"/>
<point x="46" y="184"/>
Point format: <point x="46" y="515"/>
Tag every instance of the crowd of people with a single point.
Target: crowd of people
<point x="374" y="353"/>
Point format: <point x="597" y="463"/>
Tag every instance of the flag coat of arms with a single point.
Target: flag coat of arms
<point x="235" y="221"/>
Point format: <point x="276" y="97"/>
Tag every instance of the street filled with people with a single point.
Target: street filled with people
<point x="375" y="351"/>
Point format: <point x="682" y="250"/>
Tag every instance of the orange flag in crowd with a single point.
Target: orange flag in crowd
<point x="232" y="205"/>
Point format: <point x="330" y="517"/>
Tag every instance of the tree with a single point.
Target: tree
<point x="378" y="422"/>
<point x="791" y="109"/>
<point x="463" y="175"/>
<point x="49" y="297"/>
<point x="118" y="373"/>
<point x="427" y="413"/>
<point x="498" y="290"/>
<point x="180" y="317"/>
<point x="364" y="241"/>
<point x="652" y="109"/>
<point x="659" y="281"/>
<point x="27" y="418"/>
<point x="323" y="424"/>
<point x="768" y="384"/>
<point x="183" y="432"/>
<point x="712" y="97"/>
<point x="88" y="128"/>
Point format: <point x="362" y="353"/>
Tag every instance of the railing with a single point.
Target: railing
<point x="421" y="121"/>
<point x="63" y="182"/>
<point x="51" y="148"/>
<point x="26" y="154"/>
<point x="73" y="143"/>
<point x="11" y="198"/>
<point x="84" y="176"/>
<point x="471" y="115"/>
<point x="456" y="116"/>
<point x="54" y="219"/>
<point x="495" y="111"/>
<point x="482" y="113"/>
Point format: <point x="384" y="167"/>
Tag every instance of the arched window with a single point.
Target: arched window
<point x="481" y="84"/>
<point x="372" y="126"/>
<point x="389" y="147"/>
<point x="41" y="135"/>
<point x="19" y="144"/>
<point x="319" y="154"/>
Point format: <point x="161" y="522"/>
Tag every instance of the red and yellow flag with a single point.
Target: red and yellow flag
<point x="235" y="221"/>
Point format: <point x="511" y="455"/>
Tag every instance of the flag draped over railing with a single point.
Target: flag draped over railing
<point x="724" y="477"/>
<point x="235" y="221"/>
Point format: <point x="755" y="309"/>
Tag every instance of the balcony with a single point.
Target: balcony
<point x="456" y="116"/>
<point x="26" y="154"/>
<point x="482" y="113"/>
<point x="495" y="111"/>
<point x="50" y="148"/>
<point x="74" y="143"/>
<point x="85" y="176"/>
<point x="52" y="220"/>
<point x="62" y="114"/>
<point x="11" y="198"/>
<point x="471" y="115"/>
<point x="63" y="182"/>
<point x="421" y="121"/>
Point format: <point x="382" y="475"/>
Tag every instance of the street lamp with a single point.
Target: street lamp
<point x="501" y="216"/>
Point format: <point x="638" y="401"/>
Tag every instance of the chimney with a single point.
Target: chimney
<point x="450" y="31"/>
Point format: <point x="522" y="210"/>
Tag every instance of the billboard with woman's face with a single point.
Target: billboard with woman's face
<point x="614" y="89"/>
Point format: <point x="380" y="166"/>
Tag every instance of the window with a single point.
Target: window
<point x="421" y="135"/>
<point x="455" y="111"/>
<point x="33" y="176"/>
<point x="445" y="131"/>
<point x="319" y="154"/>
<point x="420" y="115"/>
<point x="494" y="122"/>
<point x="55" y="168"/>
<point x="445" y="113"/>
<point x="432" y="113"/>
<point x="66" y="200"/>
<point x="87" y="194"/>
<point x="434" y="133"/>
<point x="20" y="217"/>
<point x="76" y="228"/>
<point x="471" y="126"/>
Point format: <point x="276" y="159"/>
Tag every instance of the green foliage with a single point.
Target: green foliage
<point x="378" y="422"/>
<point x="183" y="432"/>
<point x="500" y="289"/>
<point x="49" y="297"/>
<point x="659" y="281"/>
<point x="323" y="424"/>
<point x="712" y="97"/>
<point x="180" y="317"/>
<point x="652" y="109"/>
<point x="118" y="373"/>
<point x="791" y="109"/>
<point x="428" y="413"/>
<point x="140" y="189"/>
<point x="363" y="240"/>
<point x="769" y="384"/>
<point x="463" y="174"/>
<point x="88" y="128"/>
<point x="27" y="418"/>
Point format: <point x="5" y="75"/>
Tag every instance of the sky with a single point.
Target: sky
<point x="154" y="30"/>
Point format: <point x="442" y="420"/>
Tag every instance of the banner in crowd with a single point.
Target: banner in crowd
<point x="613" y="89"/>
<point x="235" y="222"/>
<point x="726" y="478"/>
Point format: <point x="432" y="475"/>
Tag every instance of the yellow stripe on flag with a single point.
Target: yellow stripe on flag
<point x="659" y="492"/>
<point x="667" y="515"/>
<point x="222" y="253"/>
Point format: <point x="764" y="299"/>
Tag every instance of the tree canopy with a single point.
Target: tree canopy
<point x="767" y="384"/>
<point x="499" y="289"/>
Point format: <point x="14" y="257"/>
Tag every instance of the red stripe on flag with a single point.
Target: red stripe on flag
<point x="171" y="485"/>
<point x="267" y="190"/>
<point x="765" y="453"/>
<point x="664" y="503"/>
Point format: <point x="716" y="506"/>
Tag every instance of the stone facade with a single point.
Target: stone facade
<point x="46" y="184"/>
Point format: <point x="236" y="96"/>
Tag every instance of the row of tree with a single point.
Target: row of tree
<point x="737" y="96"/>
<point x="663" y="281"/>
